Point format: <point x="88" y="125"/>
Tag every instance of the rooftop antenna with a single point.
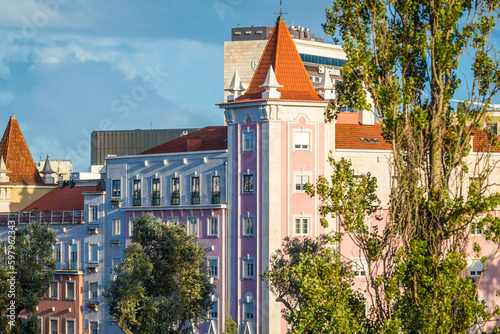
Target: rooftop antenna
<point x="281" y="18"/>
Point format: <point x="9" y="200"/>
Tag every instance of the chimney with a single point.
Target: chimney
<point x="193" y="144"/>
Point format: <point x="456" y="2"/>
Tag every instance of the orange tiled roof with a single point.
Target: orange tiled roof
<point x="281" y="53"/>
<point x="62" y="199"/>
<point x="18" y="157"/>
<point x="210" y="138"/>
<point x="349" y="136"/>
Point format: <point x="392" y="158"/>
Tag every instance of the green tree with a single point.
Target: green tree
<point x="310" y="280"/>
<point x="403" y="65"/>
<point x="29" y="255"/>
<point x="162" y="285"/>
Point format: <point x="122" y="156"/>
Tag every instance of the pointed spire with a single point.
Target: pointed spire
<point x="47" y="169"/>
<point x="288" y="68"/>
<point x="235" y="88"/>
<point x="326" y="86"/>
<point x="271" y="84"/>
<point x="3" y="171"/>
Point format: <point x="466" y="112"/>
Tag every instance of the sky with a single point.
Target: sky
<point x="68" y="67"/>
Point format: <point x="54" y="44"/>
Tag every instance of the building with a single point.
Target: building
<point x="128" y="142"/>
<point x="244" y="51"/>
<point x="56" y="170"/>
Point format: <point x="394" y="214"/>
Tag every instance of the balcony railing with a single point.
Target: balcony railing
<point x="195" y="197"/>
<point x="73" y="265"/>
<point x="216" y="197"/>
<point x="155" y="200"/>
<point x="58" y="265"/>
<point x="175" y="199"/>
<point x="136" y="201"/>
<point x="46" y="217"/>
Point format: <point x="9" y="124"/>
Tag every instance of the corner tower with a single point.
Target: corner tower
<point x="277" y="142"/>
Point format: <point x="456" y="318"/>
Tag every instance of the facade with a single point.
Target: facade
<point x="56" y="170"/>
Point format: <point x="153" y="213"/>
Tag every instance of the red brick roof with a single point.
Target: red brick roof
<point x="210" y="138"/>
<point x="18" y="157"/>
<point x="281" y="53"/>
<point x="62" y="199"/>
<point x="360" y="137"/>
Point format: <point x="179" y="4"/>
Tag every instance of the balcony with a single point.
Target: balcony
<point x="175" y="199"/>
<point x="155" y="200"/>
<point x="73" y="265"/>
<point x="195" y="197"/>
<point x="136" y="201"/>
<point x="45" y="217"/>
<point x="93" y="267"/>
<point x="216" y="197"/>
<point x="58" y="266"/>
<point x="93" y="306"/>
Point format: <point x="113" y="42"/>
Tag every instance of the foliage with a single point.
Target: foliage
<point x="34" y="266"/>
<point x="231" y="326"/>
<point x="162" y="285"/>
<point x="310" y="280"/>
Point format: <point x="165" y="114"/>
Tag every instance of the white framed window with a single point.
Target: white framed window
<point x="173" y="220"/>
<point x="301" y="140"/>
<point x="248" y="183"/>
<point x="248" y="268"/>
<point x="54" y="325"/>
<point x="70" y="326"/>
<point x="131" y="225"/>
<point x="115" y="262"/>
<point x="248" y="307"/>
<point x="476" y="268"/>
<point x="93" y="253"/>
<point x="93" y="290"/>
<point x="73" y="256"/>
<point x="300" y="181"/>
<point x="70" y="290"/>
<point x="192" y="227"/>
<point x="116" y="188"/>
<point x="248" y="141"/>
<point x="40" y="320"/>
<point x="213" y="267"/>
<point x="93" y="215"/>
<point x="476" y="231"/>
<point x="54" y="290"/>
<point x="58" y="256"/>
<point x="301" y="225"/>
<point x="248" y="225"/>
<point x="94" y="327"/>
<point x="360" y="267"/>
<point x="117" y="227"/>
<point x="213" y="313"/>
<point x="213" y="226"/>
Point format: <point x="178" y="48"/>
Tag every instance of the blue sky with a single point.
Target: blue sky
<point x="68" y="67"/>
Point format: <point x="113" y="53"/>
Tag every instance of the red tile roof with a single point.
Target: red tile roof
<point x="281" y="53"/>
<point x="350" y="136"/>
<point x="210" y="138"/>
<point x="62" y="199"/>
<point x="18" y="157"/>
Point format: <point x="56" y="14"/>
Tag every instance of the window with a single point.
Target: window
<point x="54" y="326"/>
<point x="70" y="290"/>
<point x="92" y="213"/>
<point x="248" y="142"/>
<point x="300" y="182"/>
<point x="248" y="226"/>
<point x="73" y="260"/>
<point x="93" y="290"/>
<point x="475" y="230"/>
<point x="93" y="252"/>
<point x="215" y="189"/>
<point x="192" y="227"/>
<point x="301" y="140"/>
<point x="301" y="226"/>
<point x="172" y="220"/>
<point x="175" y="196"/>
<point x="131" y="225"/>
<point x="195" y="190"/>
<point x="117" y="227"/>
<point x="213" y="267"/>
<point x="359" y="267"/>
<point x="54" y="290"/>
<point x="115" y="262"/>
<point x="117" y="188"/>
<point x="476" y="268"/>
<point x="155" y="196"/>
<point x="248" y="307"/>
<point x="57" y="256"/>
<point x="213" y="310"/>
<point x="213" y="226"/>
<point x="93" y="327"/>
<point x="136" y="193"/>
<point x="70" y="326"/>
<point x="248" y="268"/>
<point x="248" y="183"/>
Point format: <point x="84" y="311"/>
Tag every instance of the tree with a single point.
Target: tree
<point x="29" y="255"/>
<point x="403" y="65"/>
<point x="162" y="285"/>
<point x="314" y="285"/>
